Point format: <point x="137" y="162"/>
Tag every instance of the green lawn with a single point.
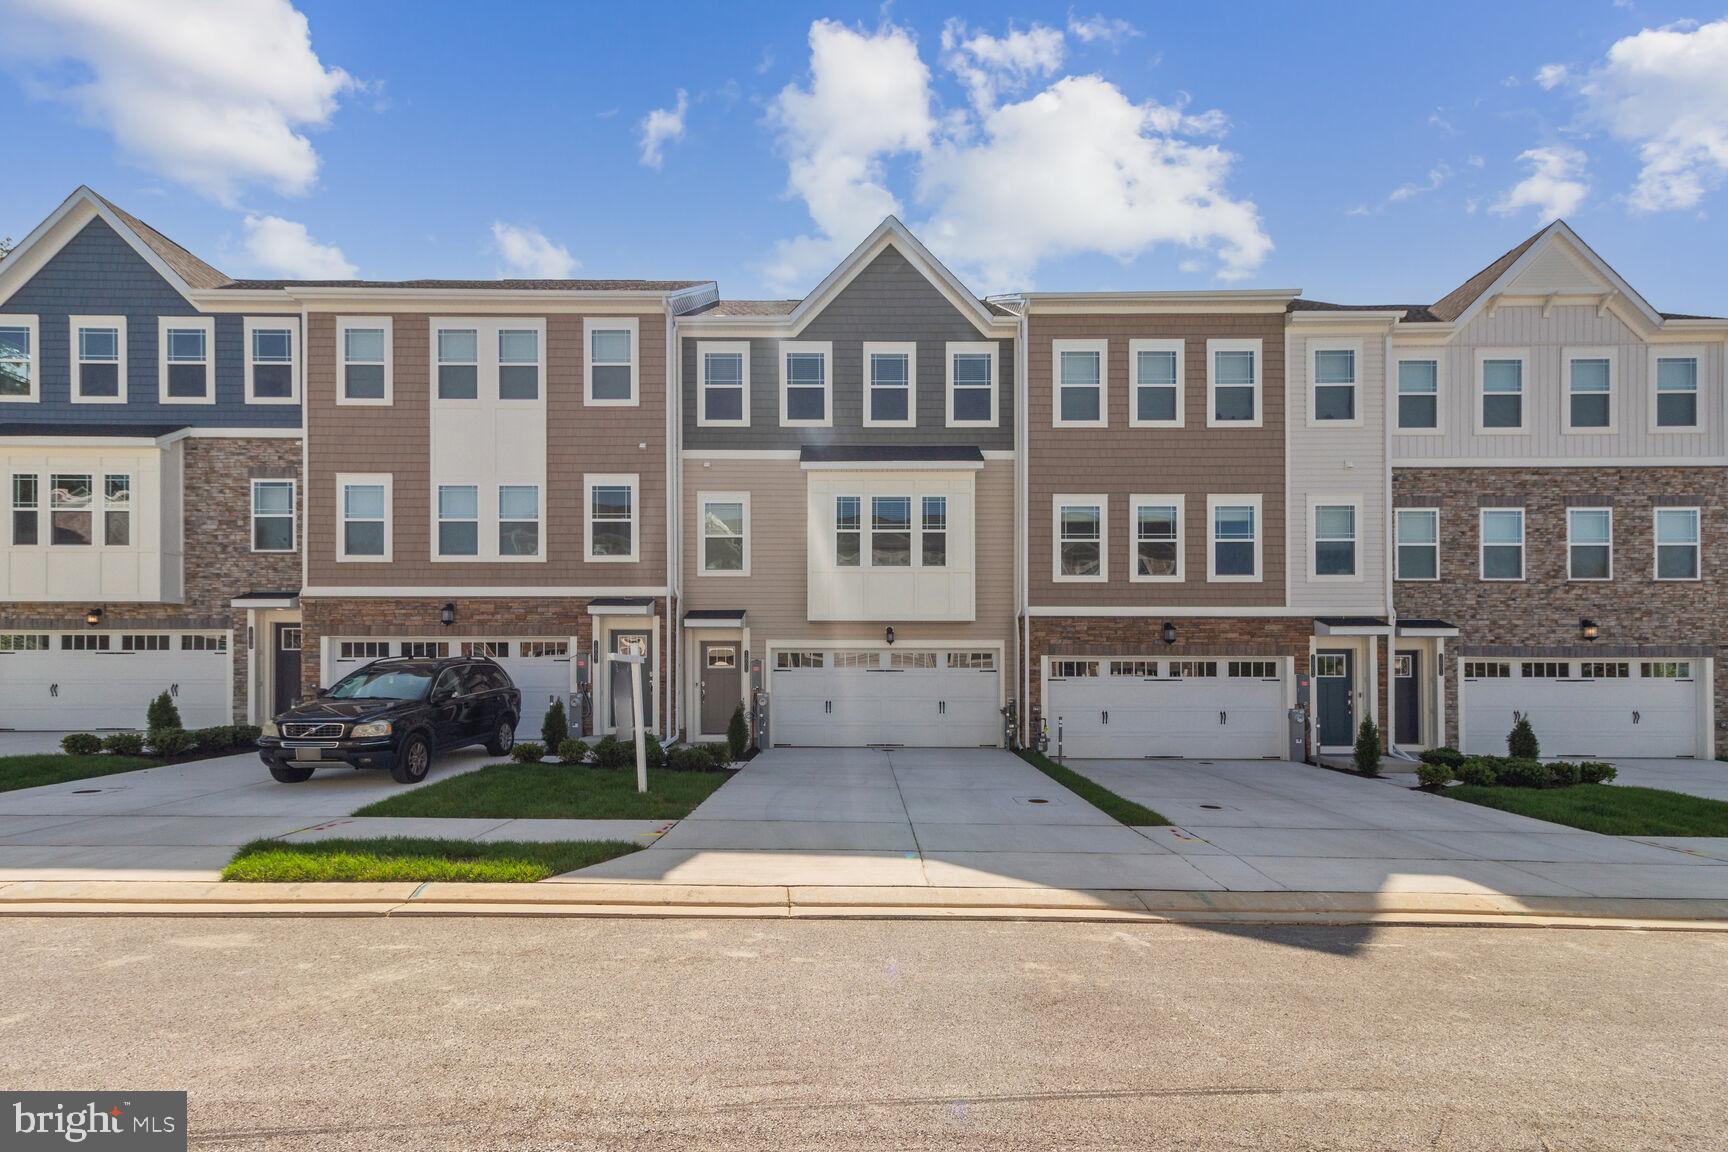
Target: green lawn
<point x="420" y="859"/>
<point x="1606" y="808"/>
<point x="1094" y="793"/>
<point x="555" y="792"/>
<point x="57" y="768"/>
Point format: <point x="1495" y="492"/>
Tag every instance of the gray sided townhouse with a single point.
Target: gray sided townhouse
<point x="891" y="512"/>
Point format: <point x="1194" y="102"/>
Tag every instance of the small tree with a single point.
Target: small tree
<point x="1521" y="742"/>
<point x="163" y="713"/>
<point x="1368" y="748"/>
<point x="738" y="734"/>
<point x="554" y="730"/>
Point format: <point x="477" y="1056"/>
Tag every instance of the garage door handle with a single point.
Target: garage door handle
<point x="53" y="689"/>
<point x="1636" y="717"/>
<point x="173" y="689"/>
<point x="1223" y="717"/>
<point x="942" y="707"/>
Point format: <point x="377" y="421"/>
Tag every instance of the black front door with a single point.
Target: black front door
<point x="1407" y="696"/>
<point x="619" y="683"/>
<point x="1335" y="709"/>
<point x="287" y="669"/>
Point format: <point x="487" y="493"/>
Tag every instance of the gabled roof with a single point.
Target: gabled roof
<point x="183" y="271"/>
<point x="478" y="285"/>
<point x="191" y="269"/>
<point x="1452" y="305"/>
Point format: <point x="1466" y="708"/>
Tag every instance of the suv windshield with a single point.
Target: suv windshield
<point x="382" y="684"/>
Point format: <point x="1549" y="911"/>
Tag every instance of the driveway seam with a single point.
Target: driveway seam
<point x="917" y="845"/>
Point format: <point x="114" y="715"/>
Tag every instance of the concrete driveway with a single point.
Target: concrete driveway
<point x="1706" y="778"/>
<point x="181" y="821"/>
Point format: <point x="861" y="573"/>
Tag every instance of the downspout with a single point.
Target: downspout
<point x="1022" y="560"/>
<point x="674" y="525"/>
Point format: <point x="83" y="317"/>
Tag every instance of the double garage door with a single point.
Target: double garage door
<point x="539" y="667"/>
<point x="1584" y="708"/>
<point x="1131" y="707"/>
<point x="53" y="681"/>
<point x="850" y="698"/>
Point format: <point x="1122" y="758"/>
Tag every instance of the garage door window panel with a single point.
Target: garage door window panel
<point x="85" y="642"/>
<point x="1502" y="531"/>
<point x="1418" y="543"/>
<point x="71" y="510"/>
<point x="1678" y="543"/>
<point x="1589" y="544"/>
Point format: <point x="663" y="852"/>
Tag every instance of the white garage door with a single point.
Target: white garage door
<point x="1127" y="708"/>
<point x="1584" y="708"/>
<point x="854" y="697"/>
<point x="539" y="667"/>
<point x="52" y="681"/>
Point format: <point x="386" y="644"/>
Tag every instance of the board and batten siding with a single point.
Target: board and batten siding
<point x="1514" y="327"/>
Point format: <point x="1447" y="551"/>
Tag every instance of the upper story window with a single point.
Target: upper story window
<point x="1500" y="403"/>
<point x="1235" y="554"/>
<point x="1676" y="402"/>
<point x="1589" y="390"/>
<point x="1677" y="543"/>
<point x="71" y="509"/>
<point x="272" y="515"/>
<point x="1157" y="369"/>
<point x="1080" y="524"/>
<point x="363" y="511"/>
<point x="848" y="531"/>
<point x="458" y="364"/>
<point x="518" y="520"/>
<point x="972" y="384"/>
<point x="98" y="359"/>
<point x="187" y="375"/>
<point x="272" y="360"/>
<point x="725" y="534"/>
<point x="116" y="510"/>
<point x="1334" y="386"/>
<point x="890" y="395"/>
<point x="18" y="358"/>
<point x="933" y="539"/>
<point x="518" y="364"/>
<point x="26" y="510"/>
<point x="1502" y="532"/>
<point x="611" y="361"/>
<point x="458" y="520"/>
<point x="1335" y="540"/>
<point x="1416" y="543"/>
<point x="1157" y="538"/>
<point x="1081" y="372"/>
<point x="612" y="527"/>
<point x="890" y="531"/>
<point x="804" y="384"/>
<point x="723" y="392"/>
<point x="1589" y="544"/>
<point x="365" y="355"/>
<point x="1419" y="395"/>
<point x="1233" y="383"/>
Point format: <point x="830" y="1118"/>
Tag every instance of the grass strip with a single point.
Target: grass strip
<point x="417" y="859"/>
<point x="1120" y="808"/>
<point x="554" y="792"/>
<point x="57" y="767"/>
<point x="1610" y="809"/>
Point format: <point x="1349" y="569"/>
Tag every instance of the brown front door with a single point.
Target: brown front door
<point x="719" y="687"/>
<point x="287" y="669"/>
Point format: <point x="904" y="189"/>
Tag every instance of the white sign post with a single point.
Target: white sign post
<point x="635" y="660"/>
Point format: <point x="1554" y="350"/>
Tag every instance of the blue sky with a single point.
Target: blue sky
<point x="1358" y="152"/>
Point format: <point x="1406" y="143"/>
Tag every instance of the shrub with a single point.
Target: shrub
<point x="163" y="713"/>
<point x="168" y="742"/>
<point x="1521" y="772"/>
<point x="123" y="744"/>
<point x="571" y="751"/>
<point x="738" y="735"/>
<point x="1563" y="774"/>
<point x="246" y="735"/>
<point x="1433" y="776"/>
<point x="555" y="729"/>
<point x="612" y="752"/>
<point x="698" y="757"/>
<point x="210" y="741"/>
<point x="80" y="744"/>
<point x="1521" y="743"/>
<point x="1368" y="748"/>
<point x="719" y="755"/>
<point x="528" y="753"/>
<point x="1448" y="756"/>
<point x="652" y="752"/>
<point x="1596" y="772"/>
<point x="1478" y="770"/>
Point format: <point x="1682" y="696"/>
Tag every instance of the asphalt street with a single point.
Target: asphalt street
<point x="530" y="1034"/>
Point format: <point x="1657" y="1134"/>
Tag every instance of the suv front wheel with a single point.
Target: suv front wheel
<point x="413" y="761"/>
<point x="504" y="739"/>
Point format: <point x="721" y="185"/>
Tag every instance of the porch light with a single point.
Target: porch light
<point x="447" y="614"/>
<point x="1589" y="629"/>
<point x="93" y="617"/>
<point x="889" y="635"/>
<point x="1169" y="632"/>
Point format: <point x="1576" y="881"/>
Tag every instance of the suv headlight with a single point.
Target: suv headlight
<point x="270" y="728"/>
<point x="375" y="728"/>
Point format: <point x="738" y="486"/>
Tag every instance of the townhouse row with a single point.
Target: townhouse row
<point x="890" y="512"/>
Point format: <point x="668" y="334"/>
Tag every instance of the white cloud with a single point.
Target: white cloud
<point x="1100" y="29"/>
<point x="529" y="254"/>
<point x="1665" y="90"/>
<point x="284" y="248"/>
<point x="1074" y="167"/>
<point x="1437" y="176"/>
<point x="217" y="97"/>
<point x="1551" y="76"/>
<point x="1556" y="186"/>
<point x="661" y="126"/>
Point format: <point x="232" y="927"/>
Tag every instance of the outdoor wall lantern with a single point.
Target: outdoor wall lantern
<point x="1169" y="633"/>
<point x="447" y="614"/>
<point x="93" y="617"/>
<point x="889" y="635"/>
<point x="1589" y="629"/>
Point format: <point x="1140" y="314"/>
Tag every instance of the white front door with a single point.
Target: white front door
<point x="1584" y="709"/>
<point x="1133" y="707"/>
<point x="912" y="697"/>
<point x="85" y="680"/>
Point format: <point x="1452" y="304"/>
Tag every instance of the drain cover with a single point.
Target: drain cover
<point x="1214" y="807"/>
<point x="85" y="791"/>
<point x="1037" y="800"/>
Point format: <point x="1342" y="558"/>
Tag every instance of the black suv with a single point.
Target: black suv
<point x="395" y="714"/>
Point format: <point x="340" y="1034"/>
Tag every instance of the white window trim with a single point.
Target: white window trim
<point x="43" y="523"/>
<point x="439" y="556"/>
<point x="630" y="480"/>
<point x="1357" y="401"/>
<point x="1180" y="503"/>
<point x="290" y="324"/>
<point x="439" y="325"/>
<point x="293" y="514"/>
<point x="907" y="349"/>
<point x="825" y="348"/>
<point x="914" y="524"/>
<point x="1319" y="500"/>
<point x="343" y="324"/>
<point x="1227" y="500"/>
<point x="592" y="324"/>
<point x="1135" y="347"/>
<point x="703" y="499"/>
<point x="1571" y="579"/>
<point x="973" y="348"/>
<point x="1656" y="542"/>
<point x="32" y="325"/>
<point x="206" y="324"/>
<point x="1567" y="355"/>
<point x="1057" y="503"/>
<point x="705" y="348"/>
<point x="1522" y="355"/>
<point x="1057" y="348"/>
<point x="488" y="364"/>
<point x="1482" y="546"/>
<point x="1396" y="574"/>
<point x="1213" y="347"/>
<point x="538" y="556"/>
<point x="1679" y="352"/>
<point x="493" y="329"/>
<point x="346" y="480"/>
<point x="1438" y="357"/>
<point x="73" y="323"/>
